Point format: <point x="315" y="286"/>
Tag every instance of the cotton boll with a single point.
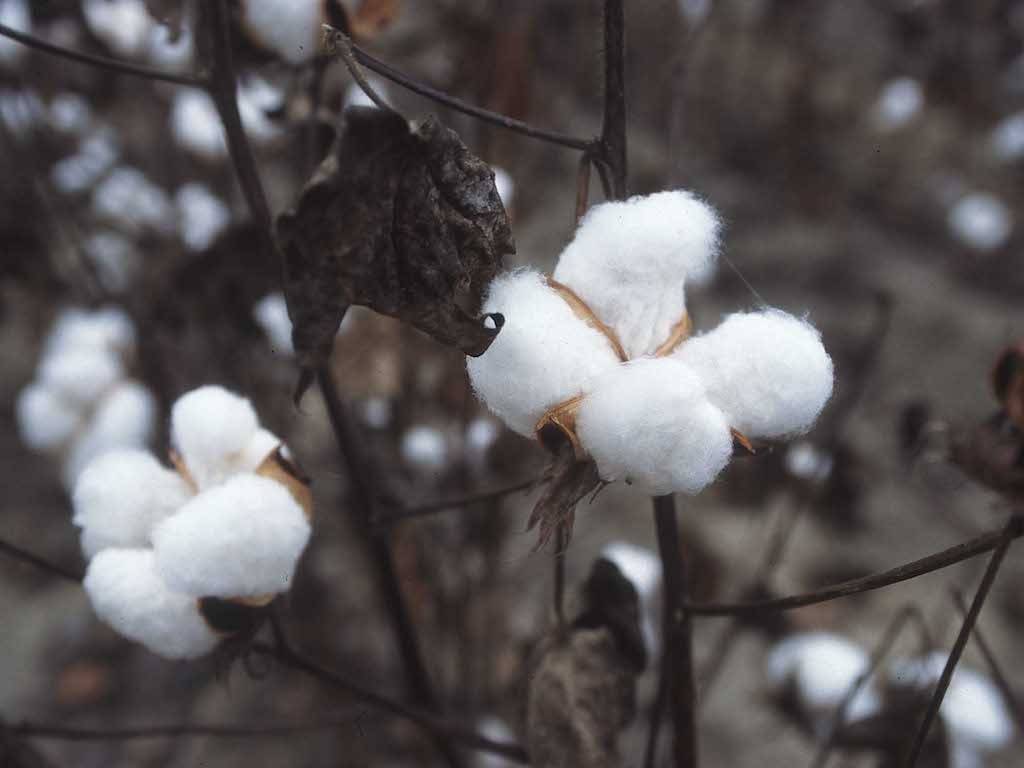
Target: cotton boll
<point x="123" y="25"/>
<point x="70" y="113"/>
<point x="202" y="215"/>
<point x="114" y="259"/>
<point x="900" y="100"/>
<point x="271" y="313"/>
<point x="45" y="420"/>
<point x="767" y="371"/>
<point x="109" y="330"/>
<point x="16" y="15"/>
<point x="495" y="729"/>
<point x="210" y="428"/>
<point x="630" y="260"/>
<point x="1007" y="139"/>
<point x="544" y="354"/>
<point x="425" y="448"/>
<point x="172" y="54"/>
<point x="80" y="376"/>
<point x="80" y="171"/>
<point x="240" y="539"/>
<point x="822" y="668"/>
<point x="257" y="97"/>
<point x="981" y="221"/>
<point x="649" y="422"/>
<point x="289" y="28"/>
<point x="805" y="461"/>
<point x="120" y="496"/>
<point x="196" y="125"/>
<point x="127" y="593"/>
<point x="124" y="418"/>
<point x="21" y="111"/>
<point x="126" y="197"/>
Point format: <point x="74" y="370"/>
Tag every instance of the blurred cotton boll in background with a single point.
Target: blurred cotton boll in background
<point x="201" y="215"/>
<point x="95" y="156"/>
<point x="289" y="28"/>
<point x="271" y="312"/>
<point x="355" y="96"/>
<point x="425" y="448"/>
<point x="899" y="102"/>
<point x="981" y="221"/>
<point x="70" y="113"/>
<point x="129" y="199"/>
<point x="124" y="26"/>
<point x="14" y="14"/>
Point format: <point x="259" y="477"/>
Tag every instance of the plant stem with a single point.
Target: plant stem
<point x="40" y="562"/>
<point x="613" y="131"/>
<point x="677" y="637"/>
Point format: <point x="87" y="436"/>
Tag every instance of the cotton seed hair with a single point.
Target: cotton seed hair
<point x="603" y="350"/>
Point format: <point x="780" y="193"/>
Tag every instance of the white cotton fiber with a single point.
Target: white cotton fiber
<point x="260" y="446"/>
<point x="120" y="496"/>
<point x="630" y="260"/>
<point x="78" y="172"/>
<point x="70" y="113"/>
<point x="543" y="355"/>
<point x="126" y="197"/>
<point x="355" y="96"/>
<point x="256" y="97"/>
<point x="271" y="312"/>
<point x="195" y="124"/>
<point x="45" y="420"/>
<point x="425" y="448"/>
<point x="127" y="593"/>
<point x="649" y="422"/>
<point x="981" y="221"/>
<point x="240" y="539"/>
<point x="123" y="25"/>
<point x="108" y="330"/>
<point x="210" y="427"/>
<point x="172" y="54"/>
<point x="973" y="708"/>
<point x="290" y="28"/>
<point x="124" y="418"/>
<point x="80" y="376"/>
<point x="1007" y="138"/>
<point x="806" y="461"/>
<point x="16" y="15"/>
<point x="822" y="667"/>
<point x="767" y="371"/>
<point x="114" y="259"/>
<point x="201" y="215"/>
<point x="900" y="100"/>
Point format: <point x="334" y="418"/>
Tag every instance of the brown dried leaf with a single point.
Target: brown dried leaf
<point x="568" y="481"/>
<point x="1008" y="382"/>
<point x="404" y="220"/>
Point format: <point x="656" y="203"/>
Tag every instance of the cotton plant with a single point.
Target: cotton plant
<point x="600" y="354"/>
<point x="82" y="402"/>
<point x="226" y="522"/>
<point x="289" y="28"/>
<point x="124" y="26"/>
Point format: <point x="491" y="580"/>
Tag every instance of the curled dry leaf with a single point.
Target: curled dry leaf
<point x="402" y="219"/>
<point x="1008" y="382"/>
<point x="569" y="479"/>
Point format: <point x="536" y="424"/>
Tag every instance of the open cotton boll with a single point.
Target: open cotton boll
<point x="260" y="446"/>
<point x="80" y="171"/>
<point x="822" y="667"/>
<point x="123" y="25"/>
<point x="45" y="420"/>
<point x="981" y="221"/>
<point x="210" y="428"/>
<point x="16" y="15"/>
<point x="124" y="418"/>
<point x="127" y="593"/>
<point x="649" y="422"/>
<point x="271" y="312"/>
<point x="630" y="260"/>
<point x="544" y="354"/>
<point x="108" y="330"/>
<point x="973" y="708"/>
<point x="82" y="375"/>
<point x="195" y="124"/>
<point x="120" y="497"/>
<point x="240" y="539"/>
<point x="131" y="200"/>
<point x="202" y="215"/>
<point x="289" y="28"/>
<point x="767" y="371"/>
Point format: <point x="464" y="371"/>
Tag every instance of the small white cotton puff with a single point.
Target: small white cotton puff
<point x="124" y="418"/>
<point x="107" y="330"/>
<point x="290" y="28"/>
<point x="195" y="124"/>
<point x="81" y="375"/>
<point x="629" y="261"/>
<point x="543" y="355"/>
<point x="45" y="420"/>
<point x="425" y="448"/>
<point x="201" y="215"/>
<point x="822" y="667"/>
<point x="981" y="221"/>
<point x="121" y="496"/>
<point x="767" y="371"/>
<point x="271" y="312"/>
<point x="128" y="198"/>
<point x="80" y="171"/>
<point x="123" y="25"/>
<point x="900" y="100"/>
<point x="210" y="428"/>
<point x="70" y="113"/>
<point x="128" y="594"/>
<point x="173" y="54"/>
<point x="240" y="539"/>
<point x="16" y="15"/>
<point x="649" y="422"/>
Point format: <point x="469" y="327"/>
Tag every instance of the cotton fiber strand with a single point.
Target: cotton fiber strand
<point x="242" y="538"/>
<point x="290" y="28"/>
<point x="127" y="593"/>
<point x="767" y="371"/>
<point x="121" y="496"/>
<point x="629" y="261"/>
<point x="210" y="427"/>
<point x="649" y="422"/>
<point x="123" y="25"/>
<point x="543" y="355"/>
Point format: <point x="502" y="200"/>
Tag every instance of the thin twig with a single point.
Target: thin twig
<point x="40" y="562"/>
<point x="582" y="187"/>
<point x="993" y="664"/>
<point x="561" y="550"/>
<point x="1013" y="528"/>
<point x="613" y="129"/>
<point x="337" y="42"/>
<point x="677" y="639"/>
<point x="101" y="62"/>
<point x="386" y="519"/>
<point x="142" y="732"/>
<point x="947" y="557"/>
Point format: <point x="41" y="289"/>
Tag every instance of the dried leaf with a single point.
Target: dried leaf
<point x="1008" y="382"/>
<point x="992" y="453"/>
<point x="373" y="16"/>
<point x="404" y="220"/>
<point x="568" y="481"/>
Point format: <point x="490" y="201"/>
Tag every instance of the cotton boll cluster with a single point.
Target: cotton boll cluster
<point x="602" y="352"/>
<point x="981" y="221"/>
<point x="819" y="669"/>
<point x="16" y="15"/>
<point x="271" y="313"/>
<point x="124" y="26"/>
<point x="973" y="709"/>
<point x="289" y="28"/>
<point x="201" y="215"/>
<point x="129" y="199"/>
<point x="899" y="102"/>
<point x="96" y="155"/>
<point x="81" y="403"/>
<point x="229" y="522"/>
